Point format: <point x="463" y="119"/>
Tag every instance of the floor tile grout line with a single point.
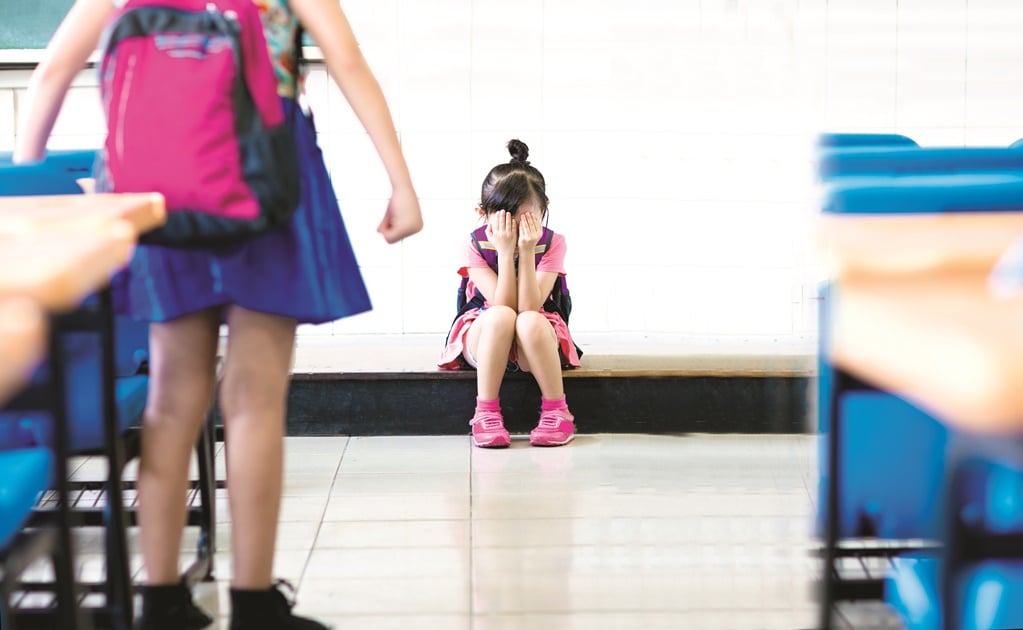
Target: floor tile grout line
<point x="323" y="514"/>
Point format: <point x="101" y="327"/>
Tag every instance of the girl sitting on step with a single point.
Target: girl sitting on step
<point x="515" y="317"/>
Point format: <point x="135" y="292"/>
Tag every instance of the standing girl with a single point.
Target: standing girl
<point x="510" y="321"/>
<point x="304" y="272"/>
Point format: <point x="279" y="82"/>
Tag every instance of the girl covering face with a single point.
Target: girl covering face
<point x="514" y="268"/>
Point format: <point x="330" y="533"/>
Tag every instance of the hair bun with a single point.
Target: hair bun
<point x="519" y="152"/>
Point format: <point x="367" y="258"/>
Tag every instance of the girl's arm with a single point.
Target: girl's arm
<point x="533" y="287"/>
<point x="328" y="26"/>
<point x="65" y="56"/>
<point x="499" y="288"/>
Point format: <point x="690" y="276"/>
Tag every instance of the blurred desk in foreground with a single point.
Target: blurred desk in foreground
<point x="142" y="212"/>
<point x="939" y="340"/>
<point x="912" y="314"/>
<point x="60" y="269"/>
<point x="22" y="344"/>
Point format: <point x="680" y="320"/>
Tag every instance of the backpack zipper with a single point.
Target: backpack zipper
<point x="122" y="103"/>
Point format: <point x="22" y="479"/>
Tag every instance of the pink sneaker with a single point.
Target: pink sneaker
<point x="488" y="430"/>
<point x="556" y="427"/>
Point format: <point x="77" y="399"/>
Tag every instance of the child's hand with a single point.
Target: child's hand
<point x="402" y="217"/>
<point x="529" y="231"/>
<point x="502" y="231"/>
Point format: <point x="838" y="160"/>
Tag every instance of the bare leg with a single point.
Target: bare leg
<point x="253" y="400"/>
<point x="181" y="363"/>
<point x="489" y="340"/>
<point x="538" y="344"/>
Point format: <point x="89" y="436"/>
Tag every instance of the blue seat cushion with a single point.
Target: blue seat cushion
<point x="991" y="591"/>
<point x="24" y="474"/>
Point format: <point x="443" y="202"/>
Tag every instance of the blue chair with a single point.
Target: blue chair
<point x="25" y="474"/>
<point x="103" y="365"/>
<point x="976" y="583"/>
<point x="872" y="484"/>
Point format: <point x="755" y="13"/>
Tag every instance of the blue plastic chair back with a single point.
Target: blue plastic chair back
<point x="972" y="192"/>
<point x="892" y="469"/>
<point x="856" y="140"/>
<point x="56" y="175"/>
<point x="899" y="161"/>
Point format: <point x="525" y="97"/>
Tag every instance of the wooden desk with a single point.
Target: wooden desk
<point x="916" y="243"/>
<point x="939" y="340"/>
<point x="58" y="269"/>
<point x="22" y="344"/>
<point x="80" y="212"/>
<point x="912" y="314"/>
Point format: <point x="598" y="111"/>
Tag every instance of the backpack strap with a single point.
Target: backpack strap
<point x="299" y="55"/>
<point x="463" y="301"/>
<point x="485" y="248"/>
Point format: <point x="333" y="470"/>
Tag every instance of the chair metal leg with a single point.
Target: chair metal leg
<point x="830" y="572"/>
<point x="65" y="586"/>
<point x="207" y="495"/>
<point x="205" y="517"/>
<point x="119" y="589"/>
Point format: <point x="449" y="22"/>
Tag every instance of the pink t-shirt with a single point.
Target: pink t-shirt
<point x="553" y="260"/>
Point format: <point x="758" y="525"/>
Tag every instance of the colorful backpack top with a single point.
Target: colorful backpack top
<point x="192" y="110"/>
<point x="559" y="301"/>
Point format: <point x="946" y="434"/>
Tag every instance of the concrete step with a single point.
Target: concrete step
<point x="613" y="355"/>
<point x="667" y="384"/>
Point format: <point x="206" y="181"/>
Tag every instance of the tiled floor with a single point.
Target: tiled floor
<point x="610" y="532"/>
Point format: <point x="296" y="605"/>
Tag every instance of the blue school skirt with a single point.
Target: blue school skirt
<point x="305" y="270"/>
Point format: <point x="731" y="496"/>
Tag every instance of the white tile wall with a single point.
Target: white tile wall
<point x="676" y="137"/>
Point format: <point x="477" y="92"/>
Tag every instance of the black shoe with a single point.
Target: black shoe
<point x="170" y="607"/>
<point x="196" y="618"/>
<point x="268" y="609"/>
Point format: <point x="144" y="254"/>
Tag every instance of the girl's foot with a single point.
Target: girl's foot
<point x="268" y="610"/>
<point x="170" y="607"/>
<point x="556" y="427"/>
<point x="488" y="430"/>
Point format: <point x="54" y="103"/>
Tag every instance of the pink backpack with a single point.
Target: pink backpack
<point x="192" y="111"/>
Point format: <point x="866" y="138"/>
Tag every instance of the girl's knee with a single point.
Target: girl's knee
<point x="533" y="326"/>
<point x="178" y="403"/>
<point x="251" y="393"/>
<point x="499" y="316"/>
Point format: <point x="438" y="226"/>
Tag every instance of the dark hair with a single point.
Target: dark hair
<point x="509" y="185"/>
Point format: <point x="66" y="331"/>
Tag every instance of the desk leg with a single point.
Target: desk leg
<point x="830" y="575"/>
<point x="66" y="583"/>
<point x="119" y="588"/>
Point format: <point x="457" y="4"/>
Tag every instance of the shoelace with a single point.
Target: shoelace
<point x="490" y="421"/>
<point x="280" y="585"/>
<point x="551" y="419"/>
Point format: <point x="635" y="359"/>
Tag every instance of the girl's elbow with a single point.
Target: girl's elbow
<point x="52" y="75"/>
